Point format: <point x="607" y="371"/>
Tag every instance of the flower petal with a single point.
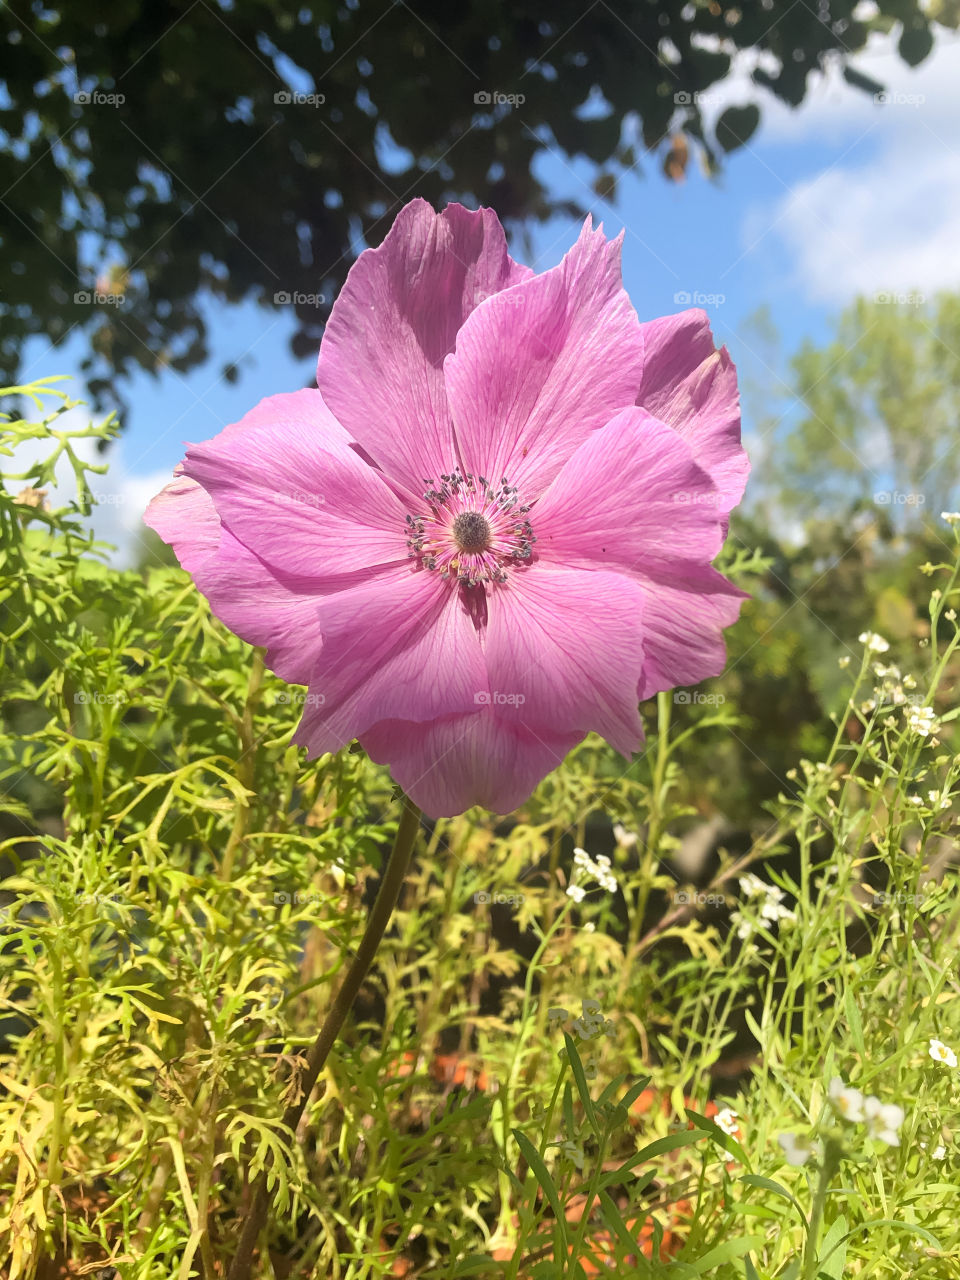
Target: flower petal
<point x="288" y="483"/>
<point x="257" y="603"/>
<point x="633" y="499"/>
<point x="540" y="366"/>
<point x="449" y="765"/>
<point x="399" y="647"/>
<point x="564" y="651"/>
<point x="693" y="388"/>
<point x="397" y="317"/>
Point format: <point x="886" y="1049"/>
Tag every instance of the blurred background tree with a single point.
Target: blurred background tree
<point x="184" y="161"/>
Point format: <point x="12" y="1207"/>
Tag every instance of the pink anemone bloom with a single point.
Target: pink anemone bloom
<point x="491" y="528"/>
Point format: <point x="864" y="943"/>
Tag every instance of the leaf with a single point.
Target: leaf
<point x="581" y="1082"/>
<point x="736" y="126"/>
<point x="832" y="1256"/>
<point x="542" y="1175"/>
<point x="768" y="1184"/>
<point x="672" y="1142"/>
<point x="726" y="1252"/>
<point x="915" y="44"/>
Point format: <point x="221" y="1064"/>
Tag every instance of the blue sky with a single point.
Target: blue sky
<point x="844" y="196"/>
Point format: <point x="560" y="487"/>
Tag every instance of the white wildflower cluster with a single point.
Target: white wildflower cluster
<point x="883" y="1120"/>
<point x="591" y="1023"/>
<point x="941" y="1052"/>
<point x="770" y="901"/>
<point x="873" y="642"/>
<point x="922" y="721"/>
<point x="587" y="868"/>
<point x="951" y="517"/>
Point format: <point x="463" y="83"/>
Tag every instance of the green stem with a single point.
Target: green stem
<point x="831" y="1163"/>
<point x="387" y="896"/>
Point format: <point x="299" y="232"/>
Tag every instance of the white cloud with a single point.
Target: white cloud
<point x="884" y="216"/>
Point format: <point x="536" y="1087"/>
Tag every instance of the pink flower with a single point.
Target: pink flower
<point x="490" y="531"/>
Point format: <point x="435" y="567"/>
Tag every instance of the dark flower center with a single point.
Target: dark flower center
<point x="472" y="531"/>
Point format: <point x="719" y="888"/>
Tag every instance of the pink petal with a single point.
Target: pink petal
<point x="633" y="499"/>
<point x="693" y="387"/>
<point x="564" y="652"/>
<point x="450" y="765"/>
<point x="685" y="614"/>
<point x="288" y="484"/>
<point x="631" y="496"/>
<point x="540" y="366"/>
<point x="255" y="602"/>
<point x="397" y="317"/>
<point x="401" y="647"/>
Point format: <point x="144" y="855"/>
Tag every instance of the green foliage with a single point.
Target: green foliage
<point x="529" y="1084"/>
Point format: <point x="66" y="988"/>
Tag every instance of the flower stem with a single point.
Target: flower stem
<point x="387" y="896"/>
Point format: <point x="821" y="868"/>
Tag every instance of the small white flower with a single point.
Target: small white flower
<point x="752" y="886"/>
<point x="627" y="839"/>
<point x="589" y="927"/>
<point x="884" y="1119"/>
<point x="874" y="643"/>
<point x="576" y="892"/>
<point x="951" y="517"/>
<point x="841" y="662"/>
<point x="726" y="1119"/>
<point x="572" y="1152"/>
<point x="941" y="1052"/>
<point x="603" y="860"/>
<point x="922" y="721"/>
<point x="848" y="1102"/>
<point x="744" y="927"/>
<point x="581" y="858"/>
<point x="939" y="1153"/>
<point x="796" y="1150"/>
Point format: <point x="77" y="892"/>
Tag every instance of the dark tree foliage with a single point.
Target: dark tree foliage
<point x="158" y="151"/>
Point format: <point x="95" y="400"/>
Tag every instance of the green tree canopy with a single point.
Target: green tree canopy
<point x="881" y="407"/>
